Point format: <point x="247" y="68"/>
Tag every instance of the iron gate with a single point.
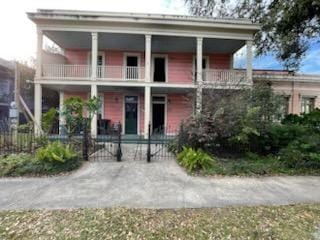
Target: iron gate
<point x="104" y="147"/>
<point x="156" y="146"/>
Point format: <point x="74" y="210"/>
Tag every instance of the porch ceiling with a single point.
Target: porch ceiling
<point x="134" y="42"/>
<point x="71" y="88"/>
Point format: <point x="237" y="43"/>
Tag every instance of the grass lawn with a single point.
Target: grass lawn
<point x="275" y="222"/>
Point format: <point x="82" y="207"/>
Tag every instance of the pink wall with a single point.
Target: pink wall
<point x="220" y="61"/>
<point x="180" y="67"/>
<point x="179" y="108"/>
<point x="113" y="106"/>
<point x="77" y="57"/>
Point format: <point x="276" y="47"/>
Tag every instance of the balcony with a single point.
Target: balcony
<point x="83" y="72"/>
<point x="225" y="78"/>
<point x="212" y="78"/>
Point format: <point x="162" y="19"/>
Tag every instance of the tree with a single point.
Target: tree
<point x="74" y="109"/>
<point x="230" y="119"/>
<point x="288" y="26"/>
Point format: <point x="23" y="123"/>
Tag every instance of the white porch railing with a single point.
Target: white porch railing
<point x="120" y="73"/>
<point x="224" y="77"/>
<point x="66" y="71"/>
<point x="84" y="72"/>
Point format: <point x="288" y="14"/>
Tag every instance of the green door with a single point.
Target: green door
<point x="131" y="114"/>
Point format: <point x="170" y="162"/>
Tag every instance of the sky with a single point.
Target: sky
<point x="18" y="33"/>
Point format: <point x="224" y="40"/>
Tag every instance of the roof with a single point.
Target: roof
<point x="284" y="75"/>
<point x="6" y="64"/>
<point x="241" y="23"/>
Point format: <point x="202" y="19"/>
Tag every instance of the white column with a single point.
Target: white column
<point x="199" y="75"/>
<point x="62" y="120"/>
<point x="37" y="108"/>
<point x="39" y="53"/>
<point x="147" y="58"/>
<point x="94" y="55"/>
<point x="94" y="93"/>
<point x="249" y="61"/>
<point x="147" y="109"/>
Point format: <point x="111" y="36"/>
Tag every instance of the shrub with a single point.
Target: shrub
<point x="25" y="128"/>
<point x="56" y="152"/>
<point x="195" y="159"/>
<point x="233" y="120"/>
<point x="17" y="164"/>
<point x="279" y="136"/>
<point x="310" y="120"/>
<point x="303" y="152"/>
<point x="48" y="119"/>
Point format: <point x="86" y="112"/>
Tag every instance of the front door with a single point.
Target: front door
<point x="159" y="69"/>
<point x="131" y="114"/>
<point x="158" y="114"/>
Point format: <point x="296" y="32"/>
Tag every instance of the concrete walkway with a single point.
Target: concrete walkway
<point x="161" y="184"/>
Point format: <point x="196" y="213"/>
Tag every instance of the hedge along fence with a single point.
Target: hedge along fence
<point x="12" y="142"/>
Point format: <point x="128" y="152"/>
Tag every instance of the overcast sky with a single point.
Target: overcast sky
<point x="18" y="33"/>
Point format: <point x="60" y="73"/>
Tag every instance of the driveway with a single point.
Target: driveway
<point x="161" y="184"/>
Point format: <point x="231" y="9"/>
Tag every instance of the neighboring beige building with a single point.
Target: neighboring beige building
<point x="302" y="91"/>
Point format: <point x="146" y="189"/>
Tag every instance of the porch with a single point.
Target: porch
<point x="134" y="108"/>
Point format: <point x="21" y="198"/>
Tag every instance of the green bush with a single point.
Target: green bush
<point x="310" y="120"/>
<point x="17" y="164"/>
<point x="52" y="159"/>
<point x="233" y="121"/>
<point x="56" y="152"/>
<point x="48" y="120"/>
<point x="195" y="159"/>
<point x="279" y="136"/>
<point x="304" y="152"/>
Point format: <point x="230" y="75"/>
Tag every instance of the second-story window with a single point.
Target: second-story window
<point x="307" y="104"/>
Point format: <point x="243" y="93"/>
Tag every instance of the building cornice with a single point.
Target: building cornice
<point x="161" y="19"/>
<point x="305" y="78"/>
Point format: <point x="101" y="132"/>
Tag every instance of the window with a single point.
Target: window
<point x="307" y="104"/>
<point x="158" y="99"/>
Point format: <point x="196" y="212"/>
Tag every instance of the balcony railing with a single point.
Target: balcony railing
<point x="66" y="71"/>
<point x="84" y="72"/>
<point x="211" y="77"/>
<point x="120" y="73"/>
<point x="224" y="77"/>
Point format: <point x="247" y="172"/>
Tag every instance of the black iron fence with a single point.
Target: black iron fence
<point x="160" y="143"/>
<point x="113" y="145"/>
<point x="104" y="147"/>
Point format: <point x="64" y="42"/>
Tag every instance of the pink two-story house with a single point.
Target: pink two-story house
<point x="146" y="68"/>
